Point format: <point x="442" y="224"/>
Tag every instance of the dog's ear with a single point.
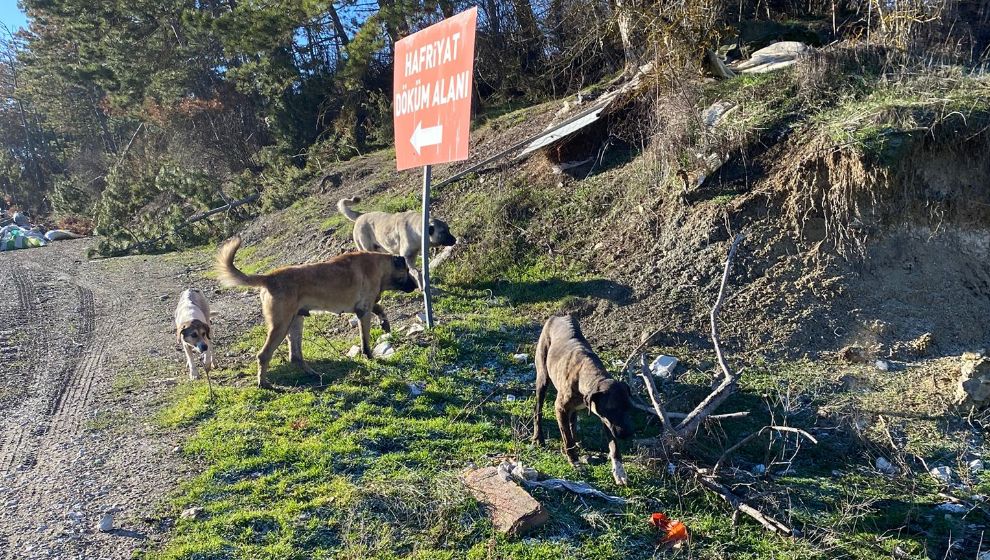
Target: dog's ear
<point x="399" y="262"/>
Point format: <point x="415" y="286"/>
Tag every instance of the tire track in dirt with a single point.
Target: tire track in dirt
<point x="25" y="320"/>
<point x="75" y="389"/>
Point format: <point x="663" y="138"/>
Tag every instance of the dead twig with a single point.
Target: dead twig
<point x="710" y="483"/>
<point x="644" y="371"/>
<point x="730" y="379"/>
<point x="754" y="435"/>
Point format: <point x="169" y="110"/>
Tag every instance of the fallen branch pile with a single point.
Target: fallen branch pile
<point x="686" y="429"/>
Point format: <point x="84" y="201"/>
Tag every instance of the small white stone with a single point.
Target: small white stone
<point x="415" y="328"/>
<point x="354" y="351"/>
<point x="510" y="398"/>
<point x="354" y="321"/>
<point x="106" y="523"/>
<point x="520" y="358"/>
<point x="975" y="466"/>
<point x="882" y="365"/>
<point x="942" y="474"/>
<point x="884" y="466"/>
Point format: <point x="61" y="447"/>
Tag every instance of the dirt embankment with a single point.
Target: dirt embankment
<point x="843" y="248"/>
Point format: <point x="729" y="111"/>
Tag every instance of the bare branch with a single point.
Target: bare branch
<point x="644" y="371"/>
<point x="728" y="386"/>
<point x="750" y="437"/>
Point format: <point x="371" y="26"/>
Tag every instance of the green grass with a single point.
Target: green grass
<point x="354" y="465"/>
<point x="363" y="468"/>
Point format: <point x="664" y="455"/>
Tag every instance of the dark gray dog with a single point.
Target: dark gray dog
<point x="396" y="234"/>
<point x="564" y="358"/>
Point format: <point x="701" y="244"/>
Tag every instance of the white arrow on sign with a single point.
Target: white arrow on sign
<point x="422" y="137"/>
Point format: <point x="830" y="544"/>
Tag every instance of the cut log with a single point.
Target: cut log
<point x="513" y="511"/>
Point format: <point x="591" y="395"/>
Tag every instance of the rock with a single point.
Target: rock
<point x="421" y="317"/>
<point x="512" y="510"/>
<point x="415" y="328"/>
<point x="354" y="351"/>
<point x="664" y="366"/>
<point x="975" y="466"/>
<point x="942" y="474"/>
<point x="192" y="513"/>
<point x="885" y="466"/>
<point x="510" y="398"/>
<point x="520" y="358"/>
<point x="384" y="337"/>
<point x="950" y="507"/>
<point x="854" y="355"/>
<point x="163" y="297"/>
<point x="882" y="365"/>
<point x="106" y="523"/>
<point x="716" y="112"/>
<point x="759" y="470"/>
<point x="354" y="321"/>
<point x="973" y="385"/>
<point x="383" y="350"/>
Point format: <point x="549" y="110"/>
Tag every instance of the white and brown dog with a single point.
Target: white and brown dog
<point x="192" y="330"/>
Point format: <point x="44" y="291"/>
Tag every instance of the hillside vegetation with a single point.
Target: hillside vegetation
<point x="858" y="178"/>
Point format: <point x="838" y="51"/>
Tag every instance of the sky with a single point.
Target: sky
<point x="10" y="15"/>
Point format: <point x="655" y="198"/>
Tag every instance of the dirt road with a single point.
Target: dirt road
<point x="86" y="354"/>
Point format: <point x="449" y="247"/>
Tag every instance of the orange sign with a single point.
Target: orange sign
<point x="432" y="92"/>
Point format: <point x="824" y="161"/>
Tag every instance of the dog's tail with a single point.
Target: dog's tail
<point x="228" y="274"/>
<point x="344" y="206"/>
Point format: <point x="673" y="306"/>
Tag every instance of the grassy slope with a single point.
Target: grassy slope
<point x="362" y="468"/>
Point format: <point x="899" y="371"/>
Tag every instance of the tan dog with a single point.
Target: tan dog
<point x="349" y="283"/>
<point x="564" y="358"/>
<point x="192" y="329"/>
<point x="398" y="234"/>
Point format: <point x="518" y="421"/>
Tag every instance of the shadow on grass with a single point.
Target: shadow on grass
<point x="557" y="288"/>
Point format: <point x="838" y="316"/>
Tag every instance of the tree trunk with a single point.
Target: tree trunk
<point x="338" y="26"/>
<point x="625" y="18"/>
<point x="529" y="31"/>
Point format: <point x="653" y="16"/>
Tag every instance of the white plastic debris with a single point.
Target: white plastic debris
<point x="942" y="474"/>
<point x="885" y="466"/>
<point x="383" y="350"/>
<point x="882" y="365"/>
<point x="416" y="388"/>
<point x="520" y="358"/>
<point x="354" y="351"/>
<point x="664" y="366"/>
<point x="975" y="466"/>
<point x="191" y="513"/>
<point x="949" y="507"/>
<point x="516" y="470"/>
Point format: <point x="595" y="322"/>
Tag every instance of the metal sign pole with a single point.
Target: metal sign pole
<point x="427" y="297"/>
